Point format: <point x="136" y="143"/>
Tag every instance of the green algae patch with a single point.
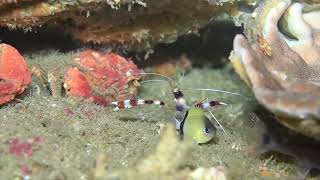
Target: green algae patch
<point x="74" y="134"/>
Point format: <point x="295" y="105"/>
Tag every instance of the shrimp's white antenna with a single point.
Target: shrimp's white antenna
<point x="170" y="80"/>
<point x="152" y="80"/>
<point x="225" y="132"/>
<point x="145" y="73"/>
<point x="145" y="115"/>
<point x="215" y="90"/>
<point x="181" y="79"/>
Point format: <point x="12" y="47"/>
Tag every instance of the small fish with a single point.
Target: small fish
<point x="197" y="126"/>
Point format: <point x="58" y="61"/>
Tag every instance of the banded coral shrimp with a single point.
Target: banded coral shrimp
<point x="193" y="120"/>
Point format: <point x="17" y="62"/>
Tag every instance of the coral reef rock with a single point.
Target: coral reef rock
<point x="14" y="74"/>
<point x="133" y="24"/>
<point x="280" y="61"/>
<point x="102" y="77"/>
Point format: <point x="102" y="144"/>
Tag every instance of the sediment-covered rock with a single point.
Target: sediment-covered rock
<point x="133" y="24"/>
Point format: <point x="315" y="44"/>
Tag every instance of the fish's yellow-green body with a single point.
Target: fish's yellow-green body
<point x="197" y="126"/>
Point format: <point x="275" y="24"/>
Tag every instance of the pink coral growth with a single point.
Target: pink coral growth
<point x="18" y="148"/>
<point x="37" y="140"/>
<point x="68" y="111"/>
<point x="25" y="170"/>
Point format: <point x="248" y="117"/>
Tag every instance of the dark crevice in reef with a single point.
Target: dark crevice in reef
<point x="277" y="138"/>
<point x="37" y="39"/>
<point x="210" y="47"/>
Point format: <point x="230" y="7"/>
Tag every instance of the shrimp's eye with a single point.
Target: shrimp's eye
<point x="177" y="94"/>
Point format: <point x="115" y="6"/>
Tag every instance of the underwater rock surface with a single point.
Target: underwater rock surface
<point x="282" y="67"/>
<point x="133" y="24"/>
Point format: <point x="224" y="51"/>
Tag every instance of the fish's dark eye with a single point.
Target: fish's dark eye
<point x="208" y="130"/>
<point x="209" y="127"/>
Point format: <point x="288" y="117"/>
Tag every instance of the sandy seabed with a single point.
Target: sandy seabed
<point x="67" y="135"/>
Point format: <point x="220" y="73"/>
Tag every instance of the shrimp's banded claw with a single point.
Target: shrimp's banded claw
<point x="208" y="105"/>
<point x="130" y="103"/>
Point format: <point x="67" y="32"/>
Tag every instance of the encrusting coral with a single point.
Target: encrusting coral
<point x="165" y="162"/>
<point x="283" y="72"/>
<point x="14" y="73"/>
<point x="102" y="77"/>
